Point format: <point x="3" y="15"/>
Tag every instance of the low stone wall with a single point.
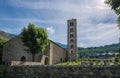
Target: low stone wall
<point x="64" y="71"/>
<point x="20" y="63"/>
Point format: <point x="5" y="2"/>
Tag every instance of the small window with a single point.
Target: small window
<point x="71" y="46"/>
<point x="71" y="35"/>
<point x="71" y="23"/>
<point x="71" y="29"/>
<point x="71" y="51"/>
<point x="71" y="41"/>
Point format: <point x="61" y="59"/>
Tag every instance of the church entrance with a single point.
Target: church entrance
<point x="46" y="61"/>
<point x="23" y="58"/>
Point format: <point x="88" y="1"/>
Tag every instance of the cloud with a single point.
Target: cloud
<point x="96" y="23"/>
<point x="58" y="5"/>
<point x="28" y="20"/>
<point x="101" y="34"/>
<point x="50" y="30"/>
<point x="83" y="10"/>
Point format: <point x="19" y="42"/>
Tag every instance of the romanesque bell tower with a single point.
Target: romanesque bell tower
<point x="72" y="39"/>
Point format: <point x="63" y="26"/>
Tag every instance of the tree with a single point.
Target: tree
<point x="115" y="5"/>
<point x="36" y="39"/>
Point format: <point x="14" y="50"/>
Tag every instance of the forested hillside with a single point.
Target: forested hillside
<point x="114" y="48"/>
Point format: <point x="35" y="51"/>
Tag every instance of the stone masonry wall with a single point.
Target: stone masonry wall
<point x="14" y="49"/>
<point x="64" y="71"/>
<point x="58" y="54"/>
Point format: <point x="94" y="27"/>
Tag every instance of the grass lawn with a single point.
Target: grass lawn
<point x="90" y="61"/>
<point x="70" y="63"/>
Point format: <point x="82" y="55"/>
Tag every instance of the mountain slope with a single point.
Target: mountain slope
<point x="5" y="36"/>
<point x="62" y="45"/>
<point x="108" y="48"/>
<point x="93" y="51"/>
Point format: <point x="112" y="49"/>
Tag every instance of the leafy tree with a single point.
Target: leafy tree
<point x="36" y="39"/>
<point x="115" y="5"/>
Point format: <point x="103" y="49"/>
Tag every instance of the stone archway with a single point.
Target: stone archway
<point x="23" y="58"/>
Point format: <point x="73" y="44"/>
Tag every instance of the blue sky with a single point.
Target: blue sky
<point x="96" y="22"/>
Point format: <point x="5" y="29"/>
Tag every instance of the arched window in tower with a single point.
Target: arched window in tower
<point x="71" y="30"/>
<point x="71" y="35"/>
<point x="71" y="46"/>
<point x="71" y="23"/>
<point x="71" y="41"/>
<point x="71" y="51"/>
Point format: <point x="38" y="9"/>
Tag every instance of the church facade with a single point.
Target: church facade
<point x="14" y="50"/>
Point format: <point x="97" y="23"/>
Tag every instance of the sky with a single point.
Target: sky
<point x="96" y="22"/>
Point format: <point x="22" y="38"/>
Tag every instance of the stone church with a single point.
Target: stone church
<point x="14" y="50"/>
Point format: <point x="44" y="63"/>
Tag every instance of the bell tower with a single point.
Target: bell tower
<point x="72" y="39"/>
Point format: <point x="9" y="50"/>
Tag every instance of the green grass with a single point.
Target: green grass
<point x="70" y="63"/>
<point x="90" y="61"/>
<point x="3" y="68"/>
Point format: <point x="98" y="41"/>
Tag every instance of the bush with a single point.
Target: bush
<point x="3" y="68"/>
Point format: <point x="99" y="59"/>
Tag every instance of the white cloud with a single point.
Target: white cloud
<point x="94" y="18"/>
<point x="101" y="34"/>
<point x="50" y="30"/>
<point x="59" y="5"/>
